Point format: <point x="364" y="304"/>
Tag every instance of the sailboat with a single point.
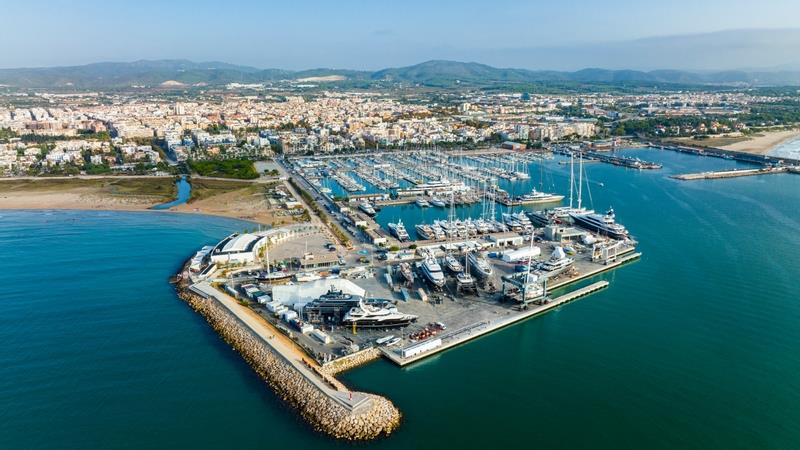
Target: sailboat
<point x="449" y="260"/>
<point x="464" y="278"/>
<point x="563" y="213"/>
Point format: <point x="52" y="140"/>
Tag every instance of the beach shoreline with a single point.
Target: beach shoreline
<point x="765" y="143"/>
<point x="26" y="193"/>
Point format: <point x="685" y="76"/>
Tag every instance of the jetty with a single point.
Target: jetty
<point x="736" y="173"/>
<point x="622" y="161"/>
<point x="713" y="152"/>
<point x="322" y="400"/>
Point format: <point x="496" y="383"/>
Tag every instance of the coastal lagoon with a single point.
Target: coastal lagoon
<point x="693" y="346"/>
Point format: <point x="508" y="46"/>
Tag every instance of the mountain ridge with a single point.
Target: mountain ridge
<point x="437" y="73"/>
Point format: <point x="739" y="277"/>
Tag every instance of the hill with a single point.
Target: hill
<point x="437" y="73"/>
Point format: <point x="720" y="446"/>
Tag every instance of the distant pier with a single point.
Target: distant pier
<point x="622" y="161"/>
<point x="735" y="173"/>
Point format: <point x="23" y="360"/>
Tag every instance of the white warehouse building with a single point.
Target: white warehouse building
<point x="245" y="247"/>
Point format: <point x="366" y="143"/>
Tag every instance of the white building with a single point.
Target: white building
<point x="245" y="248"/>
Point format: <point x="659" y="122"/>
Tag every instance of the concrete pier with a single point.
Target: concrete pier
<point x="470" y="332"/>
<point x="734" y="173"/>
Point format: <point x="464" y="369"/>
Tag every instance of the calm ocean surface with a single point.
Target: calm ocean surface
<point x="695" y="346"/>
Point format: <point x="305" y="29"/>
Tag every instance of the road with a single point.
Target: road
<point x="286" y="349"/>
<point x="327" y="206"/>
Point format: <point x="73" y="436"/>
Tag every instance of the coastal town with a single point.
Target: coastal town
<point x="403" y="225"/>
<point x="388" y="224"/>
<point x="97" y="133"/>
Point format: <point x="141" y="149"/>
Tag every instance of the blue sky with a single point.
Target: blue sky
<point x="357" y="34"/>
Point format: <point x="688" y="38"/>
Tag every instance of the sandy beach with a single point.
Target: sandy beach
<point x="764" y="142"/>
<point x="246" y="203"/>
<point x="128" y="194"/>
<point x="238" y="200"/>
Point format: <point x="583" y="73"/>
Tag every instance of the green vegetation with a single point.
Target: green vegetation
<point x="42" y="139"/>
<point x="89" y="134"/>
<point x="773" y="114"/>
<point x="229" y="168"/>
<point x="289" y="126"/>
<point x="96" y="169"/>
<point x="6" y="133"/>
<point x="217" y="128"/>
<point x="203" y="189"/>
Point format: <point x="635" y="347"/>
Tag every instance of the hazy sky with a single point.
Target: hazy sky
<point x="354" y="34"/>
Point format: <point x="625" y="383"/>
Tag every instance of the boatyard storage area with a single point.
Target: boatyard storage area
<point x="456" y="278"/>
<point x="493" y="253"/>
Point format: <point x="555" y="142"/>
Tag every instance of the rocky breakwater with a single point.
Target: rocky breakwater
<point x="348" y="362"/>
<point x="330" y="410"/>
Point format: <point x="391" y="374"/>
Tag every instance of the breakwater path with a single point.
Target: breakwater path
<point x="321" y="399"/>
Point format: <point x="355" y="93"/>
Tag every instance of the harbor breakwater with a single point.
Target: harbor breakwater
<point x="378" y="417"/>
<point x="348" y="362"/>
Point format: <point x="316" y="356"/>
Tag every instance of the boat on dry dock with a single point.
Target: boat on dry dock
<point x="480" y="265"/>
<point x="518" y="221"/>
<point x="406" y="272"/>
<point x="376" y="316"/>
<point x="433" y="272"/>
<point x="557" y="262"/>
<point x="452" y="263"/>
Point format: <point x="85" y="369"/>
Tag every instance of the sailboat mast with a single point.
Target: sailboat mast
<point x="580" y="178"/>
<point x="528" y="272"/>
<point x="571" y="176"/>
<point x="267" y="255"/>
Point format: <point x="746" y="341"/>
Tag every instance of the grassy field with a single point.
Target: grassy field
<point x="231" y="168"/>
<point x="203" y="189"/>
<point x="161" y="188"/>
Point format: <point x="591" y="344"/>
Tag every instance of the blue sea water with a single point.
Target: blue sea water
<point x="694" y="346"/>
